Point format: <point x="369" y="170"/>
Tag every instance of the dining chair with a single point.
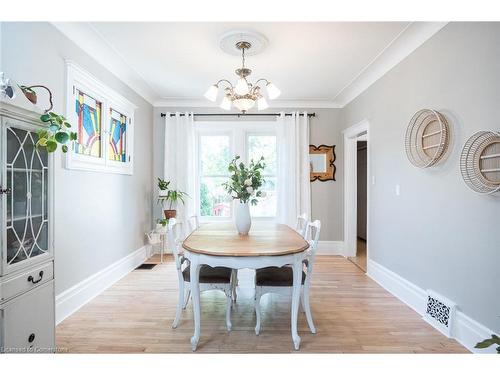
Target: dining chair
<point x="279" y="280"/>
<point x="193" y="223"/>
<point x="211" y="278"/>
<point x="301" y="225"/>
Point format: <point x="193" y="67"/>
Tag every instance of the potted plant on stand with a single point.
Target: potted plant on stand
<point x="161" y="226"/>
<point x="170" y="197"/>
<point x="162" y="187"/>
<point x="243" y="186"/>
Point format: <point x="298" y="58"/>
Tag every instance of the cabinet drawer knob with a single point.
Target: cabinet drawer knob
<point x="40" y="274"/>
<point x="31" y="338"/>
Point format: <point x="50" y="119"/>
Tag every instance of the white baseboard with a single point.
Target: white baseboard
<point x="78" y="295"/>
<point x="330" y="248"/>
<point x="407" y="292"/>
<point x="466" y="330"/>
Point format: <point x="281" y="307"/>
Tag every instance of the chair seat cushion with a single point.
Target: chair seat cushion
<point x="210" y="275"/>
<point x="276" y="276"/>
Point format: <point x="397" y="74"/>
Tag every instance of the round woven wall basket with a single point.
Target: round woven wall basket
<point x="480" y="162"/>
<point x="427" y="138"/>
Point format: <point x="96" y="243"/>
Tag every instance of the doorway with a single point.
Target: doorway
<point x="356" y="194"/>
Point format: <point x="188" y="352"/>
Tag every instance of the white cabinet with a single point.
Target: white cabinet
<point x="26" y="251"/>
<point x="28" y="321"/>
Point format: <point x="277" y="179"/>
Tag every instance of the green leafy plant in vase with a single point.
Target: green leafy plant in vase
<point x="244" y="187"/>
<point x="161" y="225"/>
<point x="169" y="198"/>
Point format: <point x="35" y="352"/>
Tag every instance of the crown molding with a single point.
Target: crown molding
<point x="285" y="103"/>
<point x="94" y="44"/>
<point x="412" y="37"/>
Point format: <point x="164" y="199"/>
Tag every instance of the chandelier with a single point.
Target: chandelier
<point x="244" y="94"/>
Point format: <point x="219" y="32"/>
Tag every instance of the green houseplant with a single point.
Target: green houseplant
<point x="169" y="198"/>
<point x="494" y="340"/>
<point x="57" y="132"/>
<point x="161" y="225"/>
<point x="243" y="186"/>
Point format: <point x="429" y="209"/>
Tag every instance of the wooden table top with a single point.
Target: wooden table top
<point x="264" y="239"/>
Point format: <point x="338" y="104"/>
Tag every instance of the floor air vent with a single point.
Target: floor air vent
<point x="440" y="312"/>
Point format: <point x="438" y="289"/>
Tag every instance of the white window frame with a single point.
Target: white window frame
<point x="210" y="132"/>
<point x="247" y="159"/>
<point x="238" y="132"/>
<point x="79" y="79"/>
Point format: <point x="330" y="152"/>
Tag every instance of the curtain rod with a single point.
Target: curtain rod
<point x="238" y="114"/>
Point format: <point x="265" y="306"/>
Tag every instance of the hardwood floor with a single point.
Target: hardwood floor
<point x="351" y="312"/>
<point x="360" y="259"/>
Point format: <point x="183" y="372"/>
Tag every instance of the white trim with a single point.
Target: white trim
<point x="330" y="248"/>
<point x="285" y="103"/>
<point x="465" y="330"/>
<point x="94" y="44"/>
<point x="351" y="136"/>
<point x="404" y="290"/>
<point x="412" y="37"/>
<point x="72" y="299"/>
<point x="78" y="78"/>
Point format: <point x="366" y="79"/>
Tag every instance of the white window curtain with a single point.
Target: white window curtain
<point x="179" y="161"/>
<point x="294" y="187"/>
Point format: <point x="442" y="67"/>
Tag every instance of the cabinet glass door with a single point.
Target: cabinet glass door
<point x="26" y="172"/>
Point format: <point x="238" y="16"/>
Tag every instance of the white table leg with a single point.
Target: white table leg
<point x="297" y="283"/>
<point x="195" y="298"/>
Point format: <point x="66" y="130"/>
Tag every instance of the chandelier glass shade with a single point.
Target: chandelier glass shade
<point x="244" y="95"/>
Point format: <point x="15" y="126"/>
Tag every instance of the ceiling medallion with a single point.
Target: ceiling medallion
<point x="244" y="94"/>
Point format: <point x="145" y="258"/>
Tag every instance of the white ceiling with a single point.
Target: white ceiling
<point x="315" y="63"/>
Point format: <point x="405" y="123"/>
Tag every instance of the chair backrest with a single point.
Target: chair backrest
<point x="193" y="223"/>
<point x="312" y="236"/>
<point x="301" y="226"/>
<point x="174" y="240"/>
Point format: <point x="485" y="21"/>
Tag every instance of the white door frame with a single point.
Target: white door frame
<point x="359" y="131"/>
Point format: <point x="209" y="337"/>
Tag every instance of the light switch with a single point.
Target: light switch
<point x="398" y="189"/>
<point x="373" y="180"/>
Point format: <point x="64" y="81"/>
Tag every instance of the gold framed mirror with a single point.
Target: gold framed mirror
<point x="321" y="163"/>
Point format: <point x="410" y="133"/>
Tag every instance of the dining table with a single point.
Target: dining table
<point x="218" y="244"/>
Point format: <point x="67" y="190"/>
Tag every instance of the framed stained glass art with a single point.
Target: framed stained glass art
<point x="104" y="123"/>
<point x="88" y="111"/>
<point x="117" y="150"/>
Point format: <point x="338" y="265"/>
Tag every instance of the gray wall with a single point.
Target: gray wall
<point x="99" y="217"/>
<point x="437" y="234"/>
<point x="327" y="198"/>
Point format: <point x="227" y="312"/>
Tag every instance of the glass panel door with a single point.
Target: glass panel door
<point x="26" y="171"/>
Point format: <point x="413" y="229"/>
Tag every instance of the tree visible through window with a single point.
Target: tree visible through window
<point x="264" y="145"/>
<point x="214" y="159"/>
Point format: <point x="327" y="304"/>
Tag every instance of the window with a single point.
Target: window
<point x="265" y="145"/>
<point x="214" y="159"/>
<point x="88" y="113"/>
<point x="117" y="137"/>
<point x="218" y="143"/>
<point x="103" y="121"/>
